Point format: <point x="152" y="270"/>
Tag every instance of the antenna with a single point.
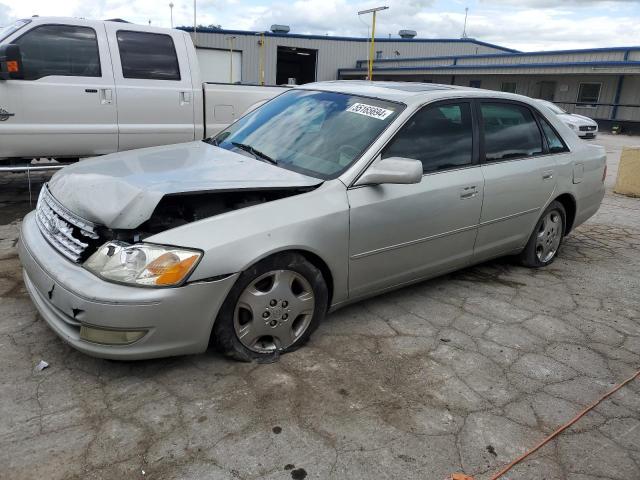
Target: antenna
<point x="464" y="30"/>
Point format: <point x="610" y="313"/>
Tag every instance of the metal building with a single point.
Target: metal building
<point x="602" y="83"/>
<point x="309" y="58"/>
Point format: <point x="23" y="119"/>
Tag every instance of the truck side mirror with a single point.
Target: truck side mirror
<point x="10" y="62"/>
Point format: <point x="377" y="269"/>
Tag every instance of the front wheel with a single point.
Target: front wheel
<point x="545" y="241"/>
<point x="273" y="308"/>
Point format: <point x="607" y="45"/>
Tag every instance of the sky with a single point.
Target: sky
<point x="527" y="25"/>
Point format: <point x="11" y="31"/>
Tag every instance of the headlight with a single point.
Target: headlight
<point x="143" y="264"/>
<point x="573" y="126"/>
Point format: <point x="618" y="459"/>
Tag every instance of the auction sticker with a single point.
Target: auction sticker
<point x="369" y="111"/>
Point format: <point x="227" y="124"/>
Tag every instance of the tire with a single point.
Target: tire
<point x="273" y="308"/>
<point x="545" y="240"/>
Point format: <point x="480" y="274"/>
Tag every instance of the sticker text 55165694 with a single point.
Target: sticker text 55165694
<point x="370" y="111"/>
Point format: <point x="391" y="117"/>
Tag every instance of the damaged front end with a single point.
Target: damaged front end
<point x="77" y="239"/>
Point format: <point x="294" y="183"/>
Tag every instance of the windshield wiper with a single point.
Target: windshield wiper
<point x="254" y="152"/>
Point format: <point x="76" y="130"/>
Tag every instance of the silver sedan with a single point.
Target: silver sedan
<point x="327" y="194"/>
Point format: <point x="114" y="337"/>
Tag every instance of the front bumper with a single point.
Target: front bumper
<point x="178" y="320"/>
<point x="587" y="134"/>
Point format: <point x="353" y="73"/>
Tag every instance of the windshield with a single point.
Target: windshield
<point x="14" y="27"/>
<point x="315" y="133"/>
<point x="553" y="107"/>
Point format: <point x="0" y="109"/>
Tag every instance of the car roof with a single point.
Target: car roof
<point x="407" y="92"/>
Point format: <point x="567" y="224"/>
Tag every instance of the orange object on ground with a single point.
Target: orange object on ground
<point x="462" y="476"/>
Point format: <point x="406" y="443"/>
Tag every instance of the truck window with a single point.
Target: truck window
<point x="149" y="56"/>
<point x="64" y="50"/>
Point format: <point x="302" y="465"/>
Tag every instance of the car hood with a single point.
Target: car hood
<point x="122" y="190"/>
<point x="577" y="119"/>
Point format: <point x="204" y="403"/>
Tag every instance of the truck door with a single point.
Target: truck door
<point x="65" y="105"/>
<point x="153" y="86"/>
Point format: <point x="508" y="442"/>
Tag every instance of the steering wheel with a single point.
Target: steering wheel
<point x="346" y="153"/>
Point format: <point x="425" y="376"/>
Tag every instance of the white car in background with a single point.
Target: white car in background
<point x="584" y="127"/>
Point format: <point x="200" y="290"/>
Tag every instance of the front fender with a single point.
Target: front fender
<point x="316" y="221"/>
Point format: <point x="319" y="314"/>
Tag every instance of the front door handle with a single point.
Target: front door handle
<point x="468" y="192"/>
<point x="106" y="96"/>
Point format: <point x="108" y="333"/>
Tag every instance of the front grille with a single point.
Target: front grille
<point x="587" y="128"/>
<point x="66" y="232"/>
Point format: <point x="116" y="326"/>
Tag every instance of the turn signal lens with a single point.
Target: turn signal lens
<point x="174" y="272"/>
<point x="12" y="66"/>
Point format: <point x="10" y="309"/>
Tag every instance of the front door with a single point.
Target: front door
<point x="401" y="233"/>
<point x="153" y="85"/>
<point x="65" y="102"/>
<point x="519" y="177"/>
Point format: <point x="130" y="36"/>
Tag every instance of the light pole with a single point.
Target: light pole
<point x="171" y="10"/>
<point x="261" y="61"/>
<point x="231" y="39"/>
<point x="373" y="35"/>
<point x="195" y="33"/>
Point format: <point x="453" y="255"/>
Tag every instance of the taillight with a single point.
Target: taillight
<point x="604" y="173"/>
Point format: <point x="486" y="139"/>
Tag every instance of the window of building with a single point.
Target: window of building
<point x="509" y="87"/>
<point x="555" y="143"/>
<point x="589" y="94"/>
<point x="475" y="83"/>
<point x="64" y="50"/>
<point x="440" y="136"/>
<point x="510" y="131"/>
<point x="150" y="56"/>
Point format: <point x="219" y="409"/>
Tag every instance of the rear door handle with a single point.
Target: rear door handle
<point x="468" y="192"/>
<point x="185" y="98"/>
<point x="548" y="175"/>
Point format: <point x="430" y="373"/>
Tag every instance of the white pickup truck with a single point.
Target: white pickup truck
<point x="72" y="88"/>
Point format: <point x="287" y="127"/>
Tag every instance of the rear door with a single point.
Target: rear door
<point x="64" y="105"/>
<point x="153" y="86"/>
<point x="520" y="176"/>
<point x="401" y="233"/>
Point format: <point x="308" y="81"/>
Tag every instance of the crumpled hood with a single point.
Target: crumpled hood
<point x="577" y="119"/>
<point x="122" y="190"/>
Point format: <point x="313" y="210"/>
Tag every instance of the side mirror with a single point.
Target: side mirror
<point x="10" y="62"/>
<point x="392" y="170"/>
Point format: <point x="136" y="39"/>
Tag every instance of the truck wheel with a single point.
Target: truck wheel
<point x="273" y="308"/>
<point x="544" y="243"/>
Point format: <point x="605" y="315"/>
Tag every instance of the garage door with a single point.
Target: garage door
<point x="216" y="64"/>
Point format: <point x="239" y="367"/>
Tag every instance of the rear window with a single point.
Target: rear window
<point x="510" y="131"/>
<point x="148" y="56"/>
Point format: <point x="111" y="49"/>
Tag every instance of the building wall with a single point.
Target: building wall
<point x="566" y="89"/>
<point x="332" y="53"/>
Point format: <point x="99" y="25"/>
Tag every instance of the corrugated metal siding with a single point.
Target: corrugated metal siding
<point x="630" y="95"/>
<point x="332" y="54"/>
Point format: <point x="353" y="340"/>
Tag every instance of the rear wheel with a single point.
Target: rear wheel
<point x="545" y="241"/>
<point x="273" y="308"/>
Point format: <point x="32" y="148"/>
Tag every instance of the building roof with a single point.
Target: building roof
<point x="347" y="39"/>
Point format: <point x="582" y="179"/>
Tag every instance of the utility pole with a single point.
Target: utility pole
<point x="261" y="61"/>
<point x="464" y="30"/>
<point x="171" y="10"/>
<point x="195" y="33"/>
<point x="373" y="36"/>
<point x="231" y="39"/>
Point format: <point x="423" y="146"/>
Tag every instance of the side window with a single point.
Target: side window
<point x="149" y="56"/>
<point x="510" y="131"/>
<point x="440" y="136"/>
<point x="556" y="145"/>
<point x="64" y="50"/>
